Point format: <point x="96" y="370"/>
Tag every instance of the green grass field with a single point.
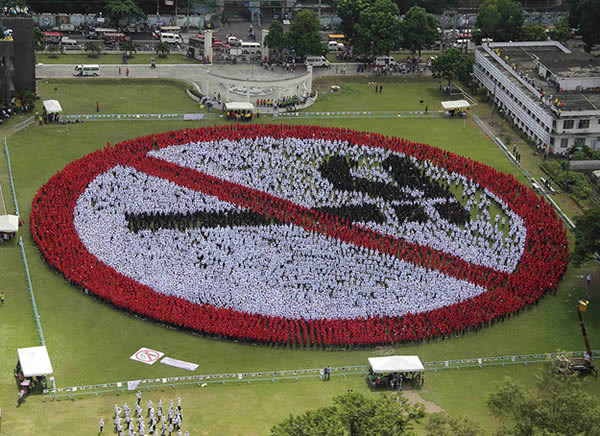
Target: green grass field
<point x="117" y="58"/>
<point x="90" y="342"/>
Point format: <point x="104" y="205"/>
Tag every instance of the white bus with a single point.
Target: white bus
<point x="251" y="48"/>
<point x="86" y="70"/>
<point x="169" y="29"/>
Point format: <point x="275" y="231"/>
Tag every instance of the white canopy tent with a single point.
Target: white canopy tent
<point x="239" y="106"/>
<point x="52" y="106"/>
<point x="389" y="364"/>
<point x="460" y="105"/>
<point x="34" y="361"/>
<point x="9" y="223"/>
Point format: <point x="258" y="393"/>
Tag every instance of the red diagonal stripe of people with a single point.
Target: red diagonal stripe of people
<point x="316" y="221"/>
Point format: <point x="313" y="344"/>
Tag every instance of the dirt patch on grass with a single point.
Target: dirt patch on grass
<point x="415" y="397"/>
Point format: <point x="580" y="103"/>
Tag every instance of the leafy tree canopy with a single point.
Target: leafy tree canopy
<point x="378" y="29"/>
<point x="275" y="39"/>
<point x="355" y="415"/>
<point x="349" y="11"/>
<point x="452" y="65"/>
<point x="436" y="7"/>
<point x="585" y="14"/>
<point x="561" y="31"/>
<point x="304" y="36"/>
<point x="122" y="9"/>
<point x="533" y="32"/>
<point x="587" y="235"/>
<point x="419" y="29"/>
<point x="558" y="406"/>
<point x="442" y="424"/>
<point x="500" y="20"/>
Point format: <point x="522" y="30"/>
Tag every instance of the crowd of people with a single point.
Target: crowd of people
<point x="244" y="231"/>
<point x="130" y="422"/>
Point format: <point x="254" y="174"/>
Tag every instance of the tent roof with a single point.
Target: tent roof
<point x="52" y="106"/>
<point x="455" y="104"/>
<point x="239" y="106"/>
<point x="9" y="223"/>
<point x="34" y="361"/>
<point x="389" y="364"/>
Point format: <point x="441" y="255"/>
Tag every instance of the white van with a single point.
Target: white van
<point x="335" y="46"/>
<point x="316" y="61"/>
<point x="86" y="70"/>
<point x="171" y="38"/>
<point x="234" y="41"/>
<point x="70" y="44"/>
<point x="251" y="48"/>
<point x="66" y="27"/>
<point x="384" y="60"/>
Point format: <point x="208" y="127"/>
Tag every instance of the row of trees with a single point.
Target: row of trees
<point x="557" y="406"/>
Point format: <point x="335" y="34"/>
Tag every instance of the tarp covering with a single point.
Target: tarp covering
<point x="52" y="106"/>
<point x="34" y="361"/>
<point x="455" y="105"/>
<point x="390" y="364"/>
<point x="9" y="223"/>
<point x="239" y="106"/>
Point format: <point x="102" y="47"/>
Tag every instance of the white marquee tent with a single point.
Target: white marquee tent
<point x="34" y="361"/>
<point x="239" y="106"/>
<point x="389" y="364"/>
<point x="52" y="106"/>
<point x="9" y="223"/>
<point x="456" y="105"/>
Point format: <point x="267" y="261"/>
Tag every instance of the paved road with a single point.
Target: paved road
<point x="185" y="72"/>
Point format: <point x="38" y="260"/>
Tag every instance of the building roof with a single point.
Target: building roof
<point x="389" y="364"/>
<point x="564" y="65"/>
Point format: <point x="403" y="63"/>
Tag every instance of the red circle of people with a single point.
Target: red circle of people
<point x="543" y="262"/>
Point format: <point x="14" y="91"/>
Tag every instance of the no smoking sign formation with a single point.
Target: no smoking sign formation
<point x="299" y="234"/>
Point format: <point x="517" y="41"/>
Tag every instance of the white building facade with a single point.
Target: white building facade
<point x="551" y="94"/>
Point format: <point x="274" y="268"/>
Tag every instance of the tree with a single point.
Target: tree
<point x="419" y="29"/>
<point x="355" y="415"/>
<point x="441" y="424"/>
<point x="319" y="422"/>
<point x="38" y="36"/>
<point x="500" y="20"/>
<point x="558" y="406"/>
<point x="378" y="29"/>
<point x="92" y="49"/>
<point x="122" y="9"/>
<point x="533" y="32"/>
<point x="561" y="31"/>
<point x="304" y="35"/>
<point x="128" y="46"/>
<point x="349" y="11"/>
<point x="452" y="65"/>
<point x="275" y="39"/>
<point x="585" y="14"/>
<point x="587" y="236"/>
<point x="53" y="50"/>
<point x="162" y="49"/>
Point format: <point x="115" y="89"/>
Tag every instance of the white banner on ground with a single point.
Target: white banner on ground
<point x="132" y="385"/>
<point x="179" y="364"/>
<point x="147" y="356"/>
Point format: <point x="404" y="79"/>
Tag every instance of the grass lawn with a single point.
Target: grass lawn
<point x="118" y="97"/>
<point x="138" y="58"/>
<point x="90" y="342"/>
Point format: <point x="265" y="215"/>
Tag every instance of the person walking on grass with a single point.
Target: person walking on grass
<point x="101" y="425"/>
<point x="1" y="298"/>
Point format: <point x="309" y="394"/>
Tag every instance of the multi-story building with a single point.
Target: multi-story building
<point x="550" y="93"/>
<point x="17" y="57"/>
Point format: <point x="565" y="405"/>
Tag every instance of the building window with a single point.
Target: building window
<point x="568" y="124"/>
<point x="564" y="142"/>
<point x="584" y="124"/>
<point x="579" y="142"/>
